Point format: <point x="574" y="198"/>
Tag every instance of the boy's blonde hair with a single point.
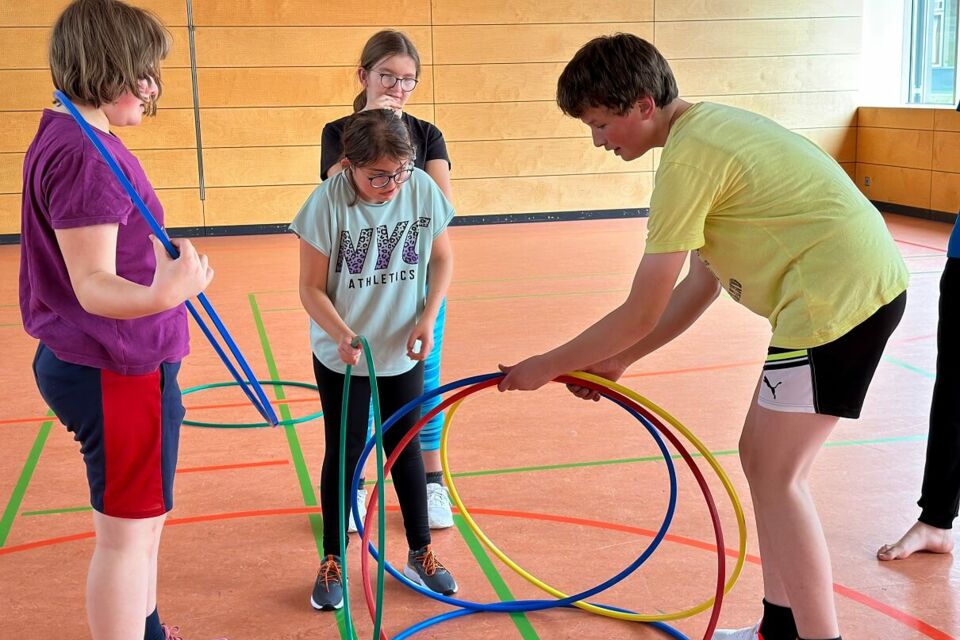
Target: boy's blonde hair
<point x="101" y="48"/>
<point x="615" y="72"/>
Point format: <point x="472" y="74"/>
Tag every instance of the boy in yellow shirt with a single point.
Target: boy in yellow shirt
<point x="775" y="221"/>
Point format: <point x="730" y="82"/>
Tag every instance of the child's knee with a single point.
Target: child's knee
<point x="128" y="535"/>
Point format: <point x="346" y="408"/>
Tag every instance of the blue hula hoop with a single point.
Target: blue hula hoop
<point x="468" y="607"/>
<point x="260" y="402"/>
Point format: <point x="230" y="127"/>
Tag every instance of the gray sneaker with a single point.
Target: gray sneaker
<point x="424" y="569"/>
<point x="328" y="588"/>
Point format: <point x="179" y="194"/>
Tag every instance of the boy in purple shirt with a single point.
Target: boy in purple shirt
<point x="106" y="303"/>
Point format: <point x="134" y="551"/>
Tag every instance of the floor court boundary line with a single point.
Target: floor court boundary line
<point x="887" y="610"/>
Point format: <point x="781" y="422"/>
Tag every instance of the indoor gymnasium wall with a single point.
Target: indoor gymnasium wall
<point x="910" y="158"/>
<point x="165" y="145"/>
<point x="270" y="73"/>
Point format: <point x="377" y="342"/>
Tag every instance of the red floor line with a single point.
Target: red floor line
<point x="712" y="367"/>
<point x="861" y="598"/>
<point x="919" y="244"/>
<point x="239" y="465"/>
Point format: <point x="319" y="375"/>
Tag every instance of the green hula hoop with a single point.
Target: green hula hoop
<point x="250" y="425"/>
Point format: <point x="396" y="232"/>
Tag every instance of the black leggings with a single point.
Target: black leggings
<point x="408" y="477"/>
<point x="940" y="496"/>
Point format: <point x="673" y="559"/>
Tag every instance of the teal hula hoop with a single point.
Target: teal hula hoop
<point x="251" y="425"/>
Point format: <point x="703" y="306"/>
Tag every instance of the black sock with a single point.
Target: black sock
<point x="777" y="622"/>
<point x="152" y="629"/>
<point x="435" y="477"/>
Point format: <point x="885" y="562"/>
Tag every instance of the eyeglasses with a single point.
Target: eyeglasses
<point x="381" y="181"/>
<point x="389" y="81"/>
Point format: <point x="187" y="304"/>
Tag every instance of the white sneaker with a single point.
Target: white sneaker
<point x="750" y="633"/>
<point x="362" y="506"/>
<point x="438" y="506"/>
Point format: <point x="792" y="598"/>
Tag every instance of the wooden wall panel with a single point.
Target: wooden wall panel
<point x="946" y="120"/>
<point x="897" y="185"/>
<point x="18" y="13"/>
<point x="799" y="110"/>
<point x="254" y="205"/>
<point x="570" y="193"/>
<point x="945" y="192"/>
<point x="731" y="9"/>
<point x="247" y="166"/>
<point x="478" y="83"/>
<point x="181" y="207"/>
<point x="895" y="117"/>
<point x="170" y="168"/>
<point x="897" y="147"/>
<point x="702" y="39"/>
<point x="507" y="121"/>
<point x="291" y="46"/>
<point x="553" y="157"/>
<point x="946" y="151"/>
<point x="483" y="44"/>
<point x="726" y="76"/>
<point x="895" y="142"/>
<point x="455" y="12"/>
<point x="258" y="13"/>
<point x="9" y="213"/>
<point x="270" y="74"/>
<point x="291" y="87"/>
<point x="11" y="172"/>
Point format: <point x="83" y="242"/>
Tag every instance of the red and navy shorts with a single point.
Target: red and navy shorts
<point x="128" y="428"/>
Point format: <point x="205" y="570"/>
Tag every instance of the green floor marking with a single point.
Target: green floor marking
<point x="50" y="512"/>
<point x="20" y="489"/>
<point x="493" y="576"/>
<point x="909" y="367"/>
<point x="296" y="451"/>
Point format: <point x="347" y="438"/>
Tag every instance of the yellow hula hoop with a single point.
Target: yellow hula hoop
<point x="586" y="606"/>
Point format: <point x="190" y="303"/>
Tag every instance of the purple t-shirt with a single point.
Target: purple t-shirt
<point x="66" y="184"/>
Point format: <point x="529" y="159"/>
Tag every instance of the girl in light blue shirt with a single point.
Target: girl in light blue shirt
<point x="369" y="238"/>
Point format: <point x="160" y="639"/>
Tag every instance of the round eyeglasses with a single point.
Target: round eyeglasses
<point x="389" y="81"/>
<point x="380" y="181"/>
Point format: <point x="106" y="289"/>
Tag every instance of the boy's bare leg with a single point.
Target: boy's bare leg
<point x="920" y="537"/>
<point x="777" y="450"/>
<point x="117" y="583"/>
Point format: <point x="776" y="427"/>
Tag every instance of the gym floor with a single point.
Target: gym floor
<point x="570" y="490"/>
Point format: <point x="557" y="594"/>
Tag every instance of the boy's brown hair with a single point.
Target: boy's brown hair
<point x="614" y="72"/>
<point x="374" y="134"/>
<point x="101" y="48"/>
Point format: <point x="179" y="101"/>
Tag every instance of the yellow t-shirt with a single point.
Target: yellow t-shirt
<point x="777" y="220"/>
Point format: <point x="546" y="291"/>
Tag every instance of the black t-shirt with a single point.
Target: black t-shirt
<point x="425" y="136"/>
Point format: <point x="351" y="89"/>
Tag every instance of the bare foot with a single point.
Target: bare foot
<point x="920" y="537"/>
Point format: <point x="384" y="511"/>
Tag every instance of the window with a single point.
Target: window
<point x="933" y="52"/>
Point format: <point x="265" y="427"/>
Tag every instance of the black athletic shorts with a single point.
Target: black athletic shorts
<point x="831" y="379"/>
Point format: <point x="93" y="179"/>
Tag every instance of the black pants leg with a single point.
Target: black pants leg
<point x="407" y="473"/>
<point x="940" y="495"/>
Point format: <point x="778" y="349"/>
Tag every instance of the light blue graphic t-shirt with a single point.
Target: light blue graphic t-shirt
<point x="377" y="275"/>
